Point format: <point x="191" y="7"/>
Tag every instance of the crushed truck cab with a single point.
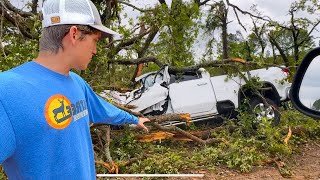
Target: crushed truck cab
<point x="203" y="96"/>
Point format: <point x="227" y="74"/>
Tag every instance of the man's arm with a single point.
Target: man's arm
<point x="101" y="111"/>
<point x="7" y="136"/>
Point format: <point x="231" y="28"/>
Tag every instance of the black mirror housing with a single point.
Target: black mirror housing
<point x="298" y="79"/>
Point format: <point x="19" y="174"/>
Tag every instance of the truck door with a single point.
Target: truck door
<point x="194" y="96"/>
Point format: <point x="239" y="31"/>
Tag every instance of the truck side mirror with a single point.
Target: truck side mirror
<point x="305" y="89"/>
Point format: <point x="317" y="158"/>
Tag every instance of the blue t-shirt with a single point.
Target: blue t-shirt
<point x="45" y="123"/>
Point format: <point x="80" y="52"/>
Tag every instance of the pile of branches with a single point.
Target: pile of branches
<point x="156" y="132"/>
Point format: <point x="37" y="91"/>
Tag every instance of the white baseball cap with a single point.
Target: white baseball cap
<point x="82" y="12"/>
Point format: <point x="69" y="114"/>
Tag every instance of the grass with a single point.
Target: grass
<point x="246" y="147"/>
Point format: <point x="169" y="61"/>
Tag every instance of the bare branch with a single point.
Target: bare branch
<point x="199" y="3"/>
<point x="204" y="2"/>
<point x="266" y="18"/>
<point x="134" y="7"/>
<point x="142" y="51"/>
<point x="136" y="61"/>
<point x="235" y="12"/>
<point x="189" y="135"/>
<point x="213" y="63"/>
<point x="34" y="6"/>
<point x="16" y="10"/>
<point x="148" y="41"/>
<point x="259" y="34"/>
<point x="17" y="21"/>
<point x="126" y="43"/>
<point x="162" y="2"/>
<point x="276" y="44"/>
<point x="1" y="29"/>
<point x="309" y="33"/>
<point x="107" y="146"/>
<point x="170" y="117"/>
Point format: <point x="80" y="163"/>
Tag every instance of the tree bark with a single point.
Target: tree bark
<point x="281" y="51"/>
<point x="224" y="33"/>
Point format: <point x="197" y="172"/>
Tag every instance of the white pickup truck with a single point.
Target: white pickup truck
<point x="205" y="97"/>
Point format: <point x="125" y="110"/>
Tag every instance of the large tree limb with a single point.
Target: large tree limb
<point x="136" y="61"/>
<point x="125" y="43"/>
<point x="34" y="6"/>
<point x="276" y="44"/>
<point x="170" y="117"/>
<point x="17" y="23"/>
<point x="214" y="63"/>
<point x="142" y="51"/>
<point x="259" y="34"/>
<point x="1" y="30"/>
<point x="16" y="10"/>
<point x="174" y="129"/>
<point x="149" y="39"/>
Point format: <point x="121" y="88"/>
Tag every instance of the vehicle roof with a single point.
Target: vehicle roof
<point x="144" y="75"/>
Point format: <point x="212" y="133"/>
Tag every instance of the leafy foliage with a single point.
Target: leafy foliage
<point x="247" y="147"/>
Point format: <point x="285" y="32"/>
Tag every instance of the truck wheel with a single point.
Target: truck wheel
<point x="270" y="111"/>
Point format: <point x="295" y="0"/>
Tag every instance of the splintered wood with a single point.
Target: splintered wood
<point x="155" y="136"/>
<point x="170" y="117"/>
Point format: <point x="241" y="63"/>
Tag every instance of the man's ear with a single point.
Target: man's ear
<point x="74" y="34"/>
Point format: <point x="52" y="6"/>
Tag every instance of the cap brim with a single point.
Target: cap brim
<point x="106" y="32"/>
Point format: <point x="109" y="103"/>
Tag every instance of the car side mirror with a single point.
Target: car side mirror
<point x="305" y="89"/>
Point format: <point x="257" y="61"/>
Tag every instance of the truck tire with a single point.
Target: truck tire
<point x="269" y="110"/>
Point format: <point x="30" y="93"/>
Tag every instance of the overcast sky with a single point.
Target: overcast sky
<point x="275" y="9"/>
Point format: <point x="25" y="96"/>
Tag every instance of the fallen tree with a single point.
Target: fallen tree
<point x="170" y="131"/>
<point x="172" y="69"/>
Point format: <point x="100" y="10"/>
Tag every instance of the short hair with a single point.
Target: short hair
<point x="51" y="37"/>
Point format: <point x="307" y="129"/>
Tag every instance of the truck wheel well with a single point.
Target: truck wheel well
<point x="268" y="90"/>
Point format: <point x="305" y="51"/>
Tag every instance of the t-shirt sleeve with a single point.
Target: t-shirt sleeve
<point x="7" y="136"/>
<point x="102" y="112"/>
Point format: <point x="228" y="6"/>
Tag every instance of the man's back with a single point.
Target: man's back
<point x="50" y="134"/>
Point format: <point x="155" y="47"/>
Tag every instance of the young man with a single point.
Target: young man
<point x="46" y="110"/>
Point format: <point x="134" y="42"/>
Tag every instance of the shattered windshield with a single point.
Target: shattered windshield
<point x="148" y="81"/>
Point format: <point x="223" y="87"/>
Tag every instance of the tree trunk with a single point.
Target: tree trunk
<point x="274" y="53"/>
<point x="225" y="34"/>
<point x="281" y="51"/>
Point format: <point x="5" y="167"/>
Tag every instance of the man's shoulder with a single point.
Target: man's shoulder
<point x="9" y="77"/>
<point x="75" y="75"/>
<point x="14" y="75"/>
<point x="78" y="79"/>
<point x="9" y="80"/>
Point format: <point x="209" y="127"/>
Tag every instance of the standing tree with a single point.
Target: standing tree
<point x="218" y="19"/>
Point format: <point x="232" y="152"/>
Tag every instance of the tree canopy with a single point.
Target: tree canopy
<point x="171" y="34"/>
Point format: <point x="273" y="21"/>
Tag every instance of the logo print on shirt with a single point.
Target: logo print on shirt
<point x="58" y="111"/>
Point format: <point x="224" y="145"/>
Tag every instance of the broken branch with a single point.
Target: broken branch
<point x="286" y="140"/>
<point x="173" y="129"/>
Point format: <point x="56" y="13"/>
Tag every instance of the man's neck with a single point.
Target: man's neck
<point x="55" y="62"/>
